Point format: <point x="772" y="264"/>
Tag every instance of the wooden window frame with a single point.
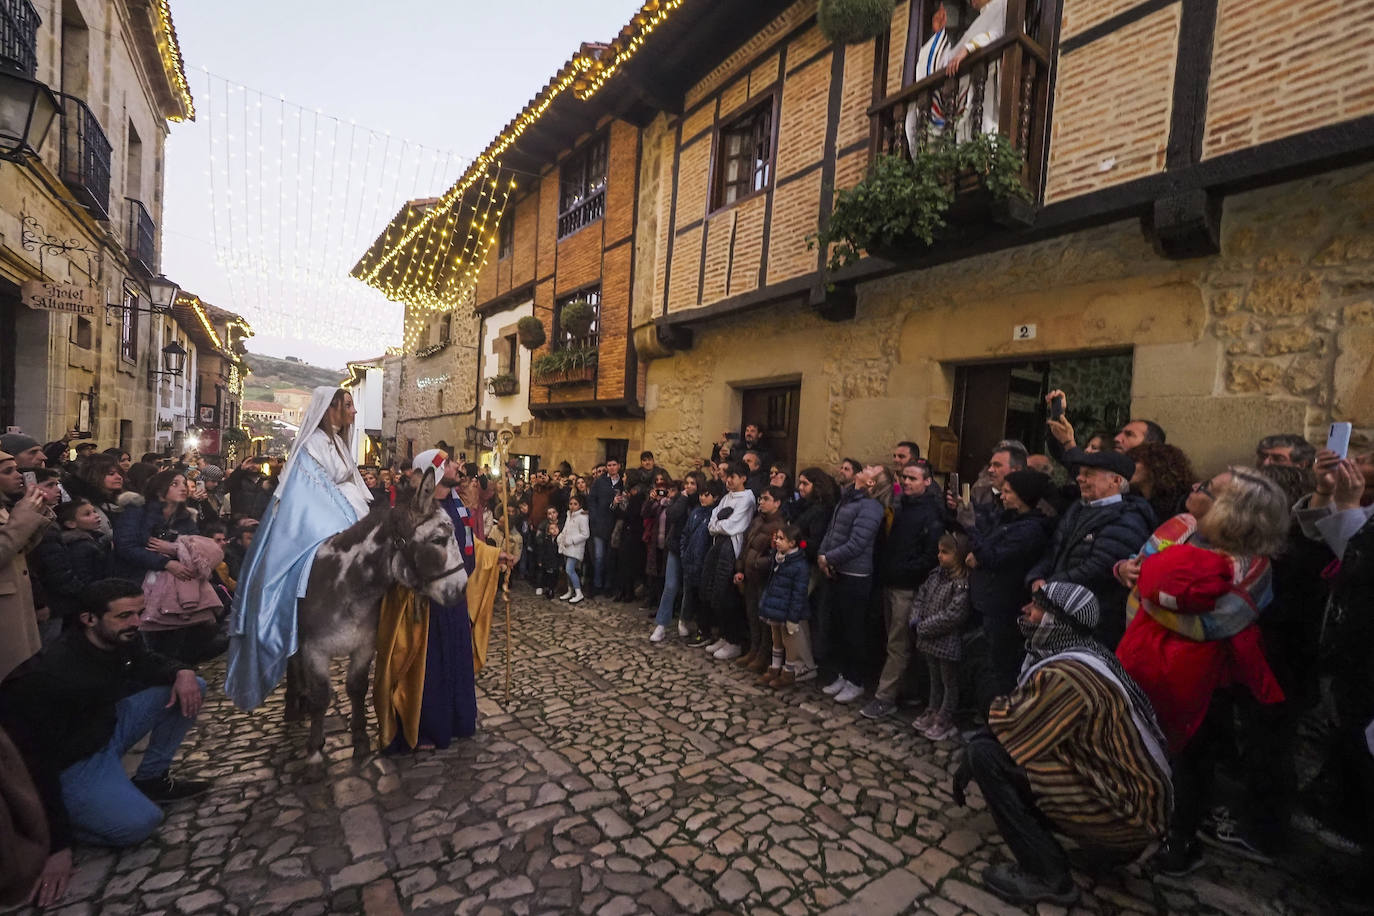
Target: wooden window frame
<point x="505" y="235"/>
<point x="593" y="338"/>
<point x="590" y="204"/>
<point x="128" y="327"/>
<point x="727" y="126"/>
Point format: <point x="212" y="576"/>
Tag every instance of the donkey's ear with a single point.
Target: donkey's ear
<point x="423" y="504"/>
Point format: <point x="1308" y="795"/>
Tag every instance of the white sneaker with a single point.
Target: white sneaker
<point x="849" y="694"/>
<point x="834" y="686"/>
<point x="539" y="591"/>
<point x="727" y="652"/>
<point x="576" y="597"/>
<point x="566" y="595"/>
<point x="682" y="630"/>
<point x="658" y="634"/>
<point x="716" y="646"/>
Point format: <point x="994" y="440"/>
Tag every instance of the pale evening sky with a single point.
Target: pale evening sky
<point x="291" y="212"/>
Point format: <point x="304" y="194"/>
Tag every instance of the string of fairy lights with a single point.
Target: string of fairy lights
<point x="295" y="194"/>
<point x="414" y="259"/>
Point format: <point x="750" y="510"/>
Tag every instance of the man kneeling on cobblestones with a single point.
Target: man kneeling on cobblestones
<point x="1074" y="747"/>
<point x="78" y="707"/>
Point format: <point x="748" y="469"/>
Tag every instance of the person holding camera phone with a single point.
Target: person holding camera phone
<point x="23" y="520"/>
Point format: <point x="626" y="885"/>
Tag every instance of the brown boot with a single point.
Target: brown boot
<point x="762" y="662"/>
<point x="747" y="659"/>
<point x="785" y="678"/>
<point x="766" y="679"/>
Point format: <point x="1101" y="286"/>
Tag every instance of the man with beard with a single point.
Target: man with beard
<point x="1075" y="747"/>
<point x="75" y="710"/>
<point x="428" y="654"/>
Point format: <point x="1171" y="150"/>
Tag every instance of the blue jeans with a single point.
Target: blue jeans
<point x="570" y="567"/>
<point x="600" y="545"/>
<point x="104" y="807"/>
<point x="672" y="582"/>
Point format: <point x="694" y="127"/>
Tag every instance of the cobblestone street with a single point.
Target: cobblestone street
<point x="621" y="778"/>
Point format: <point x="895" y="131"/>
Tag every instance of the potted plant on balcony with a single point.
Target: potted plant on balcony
<point x="576" y="317"/>
<point x="996" y="165"/>
<point x="900" y="203"/>
<point x="569" y="366"/>
<point x="503" y="384"/>
<point x="854" y="21"/>
<point x="530" y="331"/>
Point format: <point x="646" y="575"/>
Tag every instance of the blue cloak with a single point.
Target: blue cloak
<point x="306" y="510"/>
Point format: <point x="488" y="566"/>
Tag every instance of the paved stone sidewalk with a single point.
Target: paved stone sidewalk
<point x="620" y="778"/>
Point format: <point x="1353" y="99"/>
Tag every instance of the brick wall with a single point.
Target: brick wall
<point x="765" y="38"/>
<point x="1113" y="100"/>
<point x="795" y="206"/>
<point x="526" y="226"/>
<point x="896" y="46"/>
<point x="748" y="248"/>
<point x="805" y="97"/>
<point x="1079" y="15"/>
<point x="615" y="322"/>
<point x="1282" y="68"/>
<point x="693" y="181"/>
<point x="720" y="240"/>
<point x="548" y="223"/>
<point x="856" y="95"/>
<point x="683" y="292"/>
<point x="579" y="259"/>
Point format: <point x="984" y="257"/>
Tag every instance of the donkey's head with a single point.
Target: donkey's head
<point x="426" y="557"/>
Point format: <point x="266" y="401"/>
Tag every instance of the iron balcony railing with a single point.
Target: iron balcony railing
<point x="19" y="36"/>
<point x="140" y="243"/>
<point x="85" y="156"/>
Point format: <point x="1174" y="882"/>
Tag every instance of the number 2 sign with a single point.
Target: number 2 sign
<point x="1023" y="332"/>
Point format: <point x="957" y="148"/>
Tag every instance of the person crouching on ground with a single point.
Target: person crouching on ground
<point x="937" y="618"/>
<point x="77" y="708"/>
<point x="1074" y="748"/>
<point x="785" y="609"/>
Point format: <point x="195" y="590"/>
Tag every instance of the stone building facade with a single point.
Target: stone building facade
<point x="85" y="212"/>
<point x="1203" y="259"/>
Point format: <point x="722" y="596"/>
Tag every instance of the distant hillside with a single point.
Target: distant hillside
<point x="269" y="372"/>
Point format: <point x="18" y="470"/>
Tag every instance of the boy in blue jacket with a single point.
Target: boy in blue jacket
<point x="696" y="540"/>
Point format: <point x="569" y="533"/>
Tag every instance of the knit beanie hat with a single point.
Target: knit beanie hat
<point x="1031" y="486"/>
<point x="14" y="443"/>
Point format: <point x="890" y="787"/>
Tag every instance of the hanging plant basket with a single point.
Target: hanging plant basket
<point x="530" y="331"/>
<point x="853" y="22"/>
<point x="503" y="385"/>
<point x="576" y="317"/>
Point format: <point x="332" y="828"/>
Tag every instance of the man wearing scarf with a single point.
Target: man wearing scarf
<point x="428" y="655"/>
<point x="1075" y="747"/>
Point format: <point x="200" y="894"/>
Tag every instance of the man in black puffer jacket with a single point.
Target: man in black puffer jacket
<point x="1108" y="524"/>
<point x="905" y="559"/>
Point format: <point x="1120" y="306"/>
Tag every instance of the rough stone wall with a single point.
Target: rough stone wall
<point x="1292" y="297"/>
<point x="437" y="397"/>
<point x="1289" y="297"/>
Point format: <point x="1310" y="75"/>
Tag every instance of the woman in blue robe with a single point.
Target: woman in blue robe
<point x="320" y="494"/>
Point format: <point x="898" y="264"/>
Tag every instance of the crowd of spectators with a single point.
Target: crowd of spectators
<point x="1125" y="654"/>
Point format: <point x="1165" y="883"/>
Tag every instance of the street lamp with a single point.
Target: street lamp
<point x="173" y="360"/>
<point x="163" y="292"/>
<point x="27" y="110"/>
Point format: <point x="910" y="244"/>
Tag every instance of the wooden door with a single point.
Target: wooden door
<point x="980" y="415"/>
<point x="776" y="411"/>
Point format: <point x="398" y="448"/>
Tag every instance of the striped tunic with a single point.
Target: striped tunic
<point x="1071" y="730"/>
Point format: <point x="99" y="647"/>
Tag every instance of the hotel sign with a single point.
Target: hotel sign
<point x="60" y="297"/>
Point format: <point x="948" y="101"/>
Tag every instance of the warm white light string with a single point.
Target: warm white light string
<point x="296" y="196"/>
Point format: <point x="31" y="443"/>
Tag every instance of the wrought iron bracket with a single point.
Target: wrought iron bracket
<point x="33" y="237"/>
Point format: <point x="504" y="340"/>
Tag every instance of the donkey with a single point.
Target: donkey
<point x="411" y="544"/>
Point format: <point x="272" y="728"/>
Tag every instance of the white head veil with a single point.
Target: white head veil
<point x="320" y="399"/>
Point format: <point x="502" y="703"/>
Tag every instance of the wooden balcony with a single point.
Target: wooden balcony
<point x="1003" y="87"/>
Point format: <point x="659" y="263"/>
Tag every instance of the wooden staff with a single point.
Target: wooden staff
<point x="503" y="443"/>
